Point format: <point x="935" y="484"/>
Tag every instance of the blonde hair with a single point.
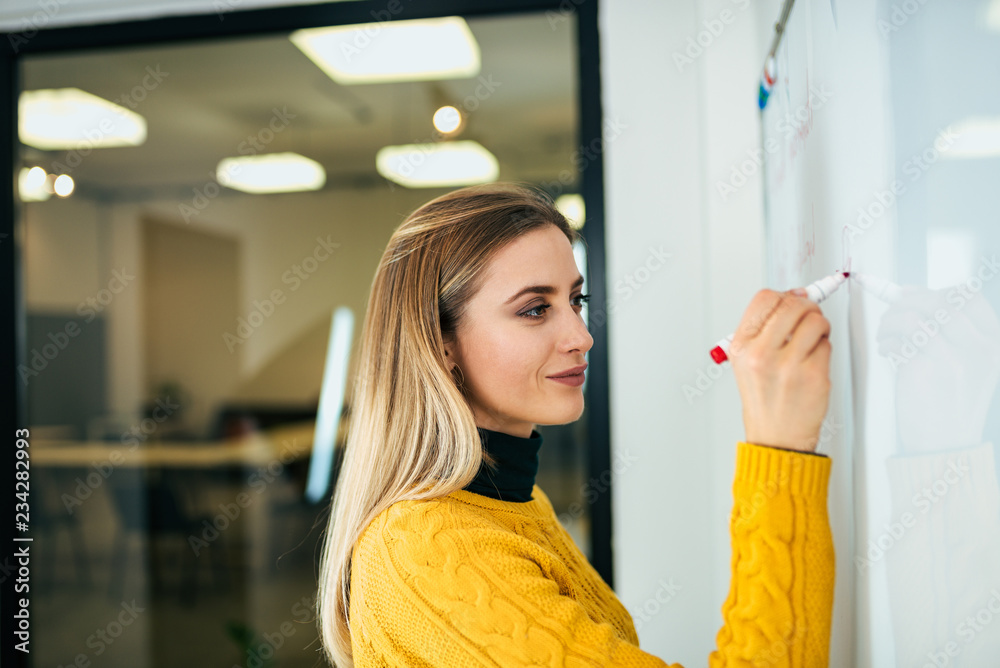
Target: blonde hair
<point x="412" y="433"/>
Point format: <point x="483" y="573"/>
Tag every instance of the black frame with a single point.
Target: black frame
<point x="262" y="21"/>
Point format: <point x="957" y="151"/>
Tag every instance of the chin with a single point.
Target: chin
<point x="563" y="415"/>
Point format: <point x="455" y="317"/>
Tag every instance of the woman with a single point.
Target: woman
<point x="433" y="557"/>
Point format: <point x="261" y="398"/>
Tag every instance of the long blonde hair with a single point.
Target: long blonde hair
<point x="412" y="432"/>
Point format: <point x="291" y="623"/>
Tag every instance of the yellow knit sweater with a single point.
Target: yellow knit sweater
<point x="467" y="580"/>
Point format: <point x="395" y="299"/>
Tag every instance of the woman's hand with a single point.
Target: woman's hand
<point x="781" y="359"/>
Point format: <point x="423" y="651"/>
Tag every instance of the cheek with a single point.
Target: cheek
<point x="505" y="358"/>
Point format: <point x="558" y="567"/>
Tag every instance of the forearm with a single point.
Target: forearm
<point x="778" y="611"/>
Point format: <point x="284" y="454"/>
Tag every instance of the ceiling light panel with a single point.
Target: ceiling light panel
<point x="58" y="119"/>
<point x="271" y="173"/>
<point x="390" y="51"/>
<point x="454" y="163"/>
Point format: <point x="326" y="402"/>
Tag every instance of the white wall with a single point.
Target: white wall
<point x="689" y="123"/>
<point x="682" y="129"/>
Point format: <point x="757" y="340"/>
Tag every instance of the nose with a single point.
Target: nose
<point x="574" y="333"/>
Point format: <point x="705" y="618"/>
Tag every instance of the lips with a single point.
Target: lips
<point x="575" y="371"/>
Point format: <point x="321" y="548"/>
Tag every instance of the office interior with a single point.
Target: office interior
<point x="179" y="323"/>
<point x="177" y="292"/>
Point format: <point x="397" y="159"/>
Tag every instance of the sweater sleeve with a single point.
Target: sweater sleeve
<point x="780" y="603"/>
<point x="441" y="594"/>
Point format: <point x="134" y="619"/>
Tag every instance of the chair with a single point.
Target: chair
<point x="148" y="508"/>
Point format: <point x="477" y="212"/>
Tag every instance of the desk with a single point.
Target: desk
<point x="284" y="444"/>
<point x="154" y="476"/>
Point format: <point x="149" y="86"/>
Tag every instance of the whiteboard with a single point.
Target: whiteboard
<point x="876" y="147"/>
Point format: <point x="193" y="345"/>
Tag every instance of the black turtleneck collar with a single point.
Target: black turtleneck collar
<point x="517" y="460"/>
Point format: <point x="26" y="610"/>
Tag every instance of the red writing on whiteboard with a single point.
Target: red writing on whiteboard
<point x="796" y="127"/>
<point x="808" y="249"/>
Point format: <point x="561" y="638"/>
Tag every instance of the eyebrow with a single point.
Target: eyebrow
<point x="542" y="289"/>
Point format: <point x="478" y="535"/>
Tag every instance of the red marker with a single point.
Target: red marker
<point x="815" y="292"/>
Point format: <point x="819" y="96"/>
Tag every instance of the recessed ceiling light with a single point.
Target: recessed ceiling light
<point x="454" y="163"/>
<point x="31" y="185"/>
<point x="447" y="120"/>
<point x="58" y="119"/>
<point x="64" y="185"/>
<point x="975" y="137"/>
<point x="416" y="50"/>
<point x="571" y="206"/>
<point x="271" y="173"/>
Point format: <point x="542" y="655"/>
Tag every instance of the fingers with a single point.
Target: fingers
<point x="812" y="331"/>
<point x="760" y="310"/>
<point x="772" y="320"/>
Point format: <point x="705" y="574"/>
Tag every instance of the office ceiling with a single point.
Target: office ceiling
<point x="208" y="99"/>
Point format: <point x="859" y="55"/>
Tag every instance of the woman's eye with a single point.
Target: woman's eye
<point x="530" y="313"/>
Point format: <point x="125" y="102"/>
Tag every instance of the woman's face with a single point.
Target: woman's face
<point x="510" y="341"/>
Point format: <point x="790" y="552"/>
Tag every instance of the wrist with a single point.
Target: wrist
<point x="771" y="441"/>
<point x="811" y="451"/>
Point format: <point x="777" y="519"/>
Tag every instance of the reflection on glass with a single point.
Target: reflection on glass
<point x="941" y="544"/>
<point x="179" y="335"/>
<point x="928" y="548"/>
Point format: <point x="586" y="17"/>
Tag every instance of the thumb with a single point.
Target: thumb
<point x="798" y="292"/>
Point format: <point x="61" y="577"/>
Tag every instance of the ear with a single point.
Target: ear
<point x="450" y="349"/>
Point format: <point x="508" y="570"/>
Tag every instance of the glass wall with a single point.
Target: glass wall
<point x="179" y="327"/>
<point x="928" y="555"/>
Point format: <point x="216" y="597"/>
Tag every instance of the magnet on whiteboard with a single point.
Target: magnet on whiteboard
<point x="767" y="80"/>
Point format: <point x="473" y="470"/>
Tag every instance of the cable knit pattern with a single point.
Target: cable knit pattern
<point x="466" y="580"/>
